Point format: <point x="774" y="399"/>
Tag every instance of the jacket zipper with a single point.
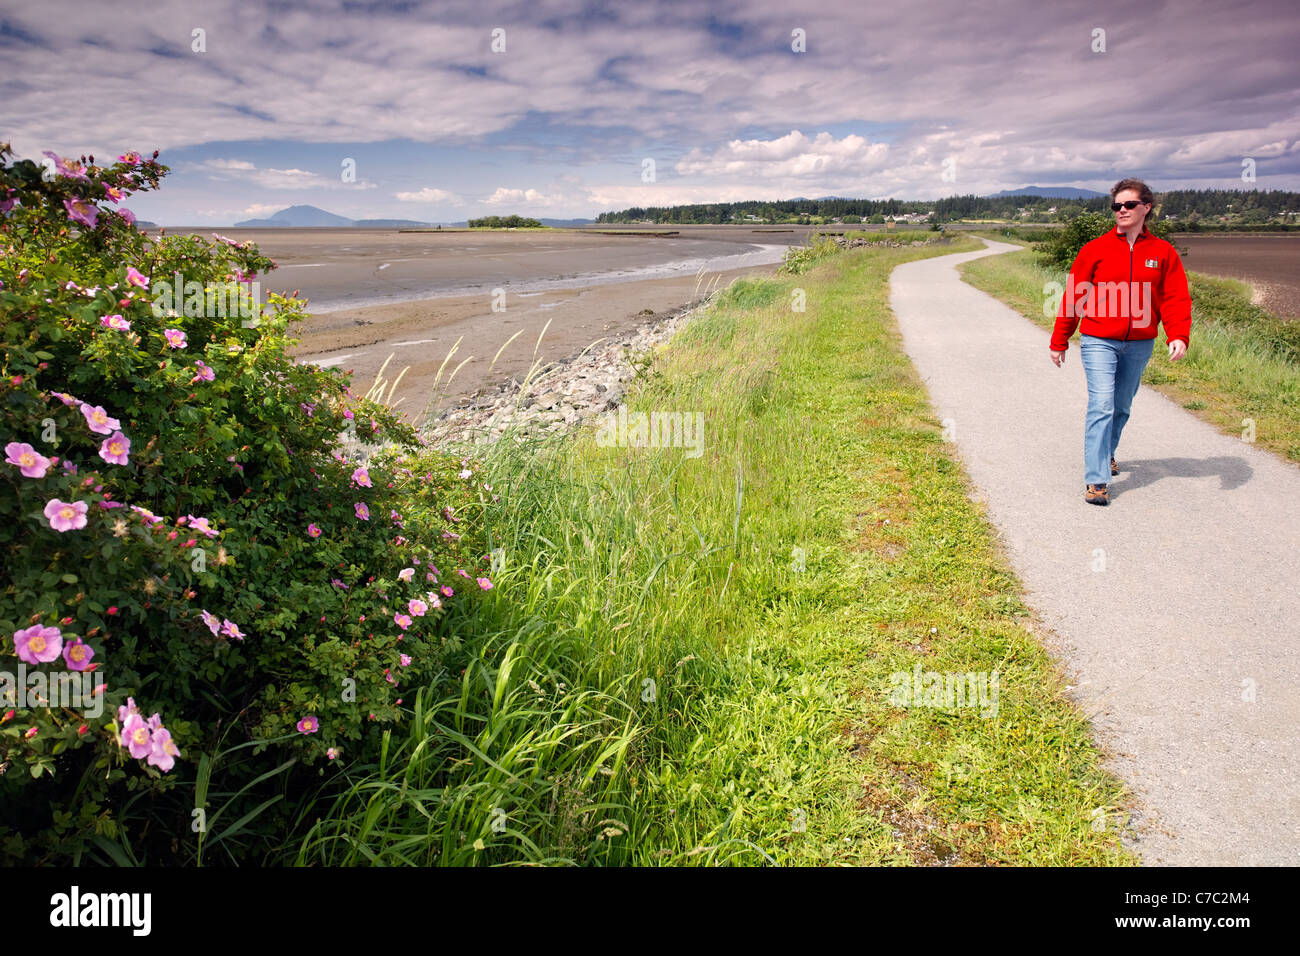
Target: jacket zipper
<point x="1130" y="286"/>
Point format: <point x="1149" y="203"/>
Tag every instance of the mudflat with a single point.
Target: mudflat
<point x="413" y="295"/>
<point x="419" y="335"/>
<point x="1269" y="263"/>
<point x="372" y="293"/>
<point x="353" y="268"/>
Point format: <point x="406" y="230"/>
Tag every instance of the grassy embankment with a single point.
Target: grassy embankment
<point x="687" y="660"/>
<point x="1242" y="363"/>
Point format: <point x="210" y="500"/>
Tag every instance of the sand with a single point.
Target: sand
<point x="419" y="335"/>
<point x="372" y="293"/>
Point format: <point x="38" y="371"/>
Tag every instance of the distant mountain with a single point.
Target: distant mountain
<point x="1049" y="192"/>
<point x="313" y="216"/>
<point x="299" y="216"/>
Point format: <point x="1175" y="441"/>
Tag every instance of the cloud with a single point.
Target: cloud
<point x="792" y="156"/>
<point x="270" y="177"/>
<point x="427" y="194"/>
<point x="229" y="164"/>
<point x="258" y="210"/>
<point x="528" y="196"/>
<point x="880" y="97"/>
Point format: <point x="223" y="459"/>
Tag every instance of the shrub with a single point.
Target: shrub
<point x="1059" y="250"/>
<point x="799" y="259"/>
<point x="179" y="524"/>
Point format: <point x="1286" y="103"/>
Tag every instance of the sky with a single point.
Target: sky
<point x="442" y="111"/>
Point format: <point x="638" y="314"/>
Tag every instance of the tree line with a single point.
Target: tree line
<point x="504" y="222"/>
<point x="1184" y="204"/>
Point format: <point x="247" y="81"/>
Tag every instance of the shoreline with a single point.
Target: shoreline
<point x="448" y="351"/>
<point x="564" y="393"/>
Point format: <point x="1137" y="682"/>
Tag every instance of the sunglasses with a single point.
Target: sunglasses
<point x="1130" y="204"/>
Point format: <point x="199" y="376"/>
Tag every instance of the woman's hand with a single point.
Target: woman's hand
<point x="1058" y="357"/>
<point x="1177" y="349"/>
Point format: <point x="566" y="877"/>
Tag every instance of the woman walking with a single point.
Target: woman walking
<point x="1121" y="285"/>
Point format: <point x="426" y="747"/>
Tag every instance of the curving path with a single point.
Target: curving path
<point x="1175" y="610"/>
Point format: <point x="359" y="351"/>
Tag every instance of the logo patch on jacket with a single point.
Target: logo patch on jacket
<point x="1153" y="263"/>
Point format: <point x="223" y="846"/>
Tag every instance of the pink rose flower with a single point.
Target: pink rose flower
<point x="162" y="751"/>
<point x="99" y="420"/>
<point x="363" y="511"/>
<point x="402" y="620"/>
<point x="231" y="629"/>
<point x="308" y="725"/>
<point x="201" y="526"/>
<point x="313" y="530"/>
<point x="205" y="373"/>
<point x="30" y="462"/>
<point x="362" y="477"/>
<point x="135" y="277"/>
<point x="485" y="584"/>
<point x="79" y="210"/>
<point x="211" y="621"/>
<point x="77" y="654"/>
<point x="66" y="515"/>
<point x="115" y="449"/>
<point x="406" y="574"/>
<point x="175" y="338"/>
<point x="417" y="607"/>
<point x="136" y="737"/>
<point x="115" y="322"/>
<point x="38" y="644"/>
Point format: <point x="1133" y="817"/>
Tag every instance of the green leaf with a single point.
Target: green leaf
<point x="69" y="579"/>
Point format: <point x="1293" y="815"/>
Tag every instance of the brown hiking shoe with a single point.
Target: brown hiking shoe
<point x="1114" y="468"/>
<point x="1096" y="495"/>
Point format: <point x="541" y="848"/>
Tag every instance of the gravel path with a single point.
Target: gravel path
<point x="1175" y="611"/>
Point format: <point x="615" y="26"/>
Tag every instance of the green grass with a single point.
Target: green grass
<point x="686" y="660"/>
<point x="1242" y="363"/>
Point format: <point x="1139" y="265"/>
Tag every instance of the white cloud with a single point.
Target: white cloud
<point x="529" y="196"/>
<point x="791" y="156"/>
<point x="1013" y="93"/>
<point x="427" y="194"/>
<point x="270" y="177"/>
<point x="260" y="210"/>
<point x="229" y="164"/>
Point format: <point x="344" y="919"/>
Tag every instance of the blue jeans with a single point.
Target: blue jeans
<point x="1114" y="369"/>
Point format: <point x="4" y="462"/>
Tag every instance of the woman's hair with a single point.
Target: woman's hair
<point x="1143" y="190"/>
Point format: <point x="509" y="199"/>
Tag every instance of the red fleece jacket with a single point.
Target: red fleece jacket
<point x="1123" y="293"/>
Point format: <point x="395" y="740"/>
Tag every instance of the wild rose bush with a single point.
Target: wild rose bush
<point x="177" y="520"/>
